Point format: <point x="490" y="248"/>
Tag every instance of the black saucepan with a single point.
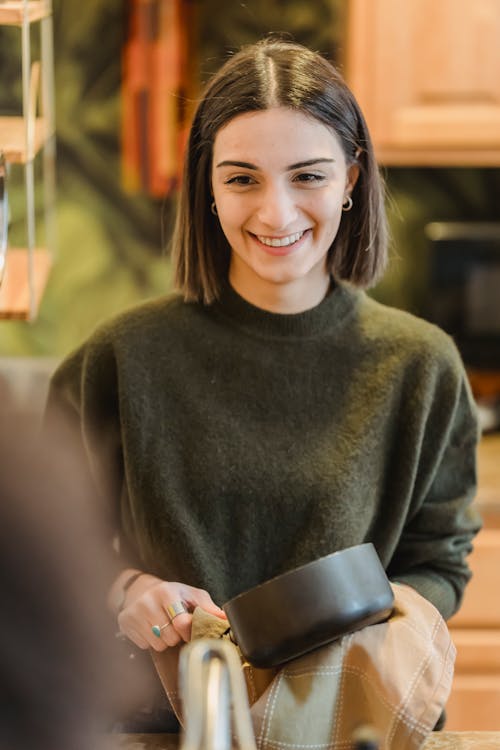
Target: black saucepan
<point x="310" y="606"/>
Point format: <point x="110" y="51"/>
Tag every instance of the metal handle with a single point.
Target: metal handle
<point x="213" y="693"/>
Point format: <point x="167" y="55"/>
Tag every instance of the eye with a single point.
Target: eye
<point x="309" y="177"/>
<point x="240" y="179"/>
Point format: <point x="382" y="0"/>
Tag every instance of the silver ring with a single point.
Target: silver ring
<point x="175" y="609"/>
<point x="158" y="628"/>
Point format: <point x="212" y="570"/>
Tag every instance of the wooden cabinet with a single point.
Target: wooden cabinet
<point x="24" y="270"/>
<point x="427" y="76"/>
<point x="474" y="703"/>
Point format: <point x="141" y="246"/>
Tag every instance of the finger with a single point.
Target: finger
<point x="201" y="598"/>
<point x="181" y="626"/>
<point x="132" y="634"/>
<point x="145" y="626"/>
<point x="159" y="644"/>
<point x="162" y="636"/>
<point x="178" y="613"/>
<point x="171" y="636"/>
<point x="137" y="639"/>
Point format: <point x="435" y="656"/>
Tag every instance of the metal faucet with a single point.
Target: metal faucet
<point x="214" y="697"/>
<point x="215" y="701"/>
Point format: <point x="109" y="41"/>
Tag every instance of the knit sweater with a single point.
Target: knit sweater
<point x="230" y="444"/>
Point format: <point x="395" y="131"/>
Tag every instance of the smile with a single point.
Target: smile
<point x="280" y="241"/>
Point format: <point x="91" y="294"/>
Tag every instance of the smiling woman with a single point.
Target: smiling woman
<point x="279" y="215"/>
<point x="271" y="412"/>
<point x="307" y="117"/>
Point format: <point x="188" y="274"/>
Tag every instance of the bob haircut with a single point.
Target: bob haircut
<point x="277" y="73"/>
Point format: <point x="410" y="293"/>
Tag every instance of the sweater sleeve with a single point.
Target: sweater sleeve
<point x="437" y="537"/>
<point x="82" y="403"/>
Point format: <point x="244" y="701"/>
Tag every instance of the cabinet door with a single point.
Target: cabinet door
<point x="474" y="702"/>
<point x="427" y="75"/>
<point x="481" y="604"/>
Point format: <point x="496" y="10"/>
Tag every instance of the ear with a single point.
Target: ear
<point x="352" y="178"/>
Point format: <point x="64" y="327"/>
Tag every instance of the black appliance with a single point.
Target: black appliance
<point x="463" y="294"/>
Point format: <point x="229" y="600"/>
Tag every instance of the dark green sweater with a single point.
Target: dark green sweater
<point x="231" y="444"/>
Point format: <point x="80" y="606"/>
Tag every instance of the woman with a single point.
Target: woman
<point x="271" y="412"/>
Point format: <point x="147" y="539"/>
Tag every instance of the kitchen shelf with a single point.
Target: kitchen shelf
<point x="13" y="13"/>
<point x="23" y="136"/>
<point x="17" y="300"/>
<point x="13" y="138"/>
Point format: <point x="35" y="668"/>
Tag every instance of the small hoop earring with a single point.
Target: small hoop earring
<point x="347" y="204"/>
<point x="213" y="208"/>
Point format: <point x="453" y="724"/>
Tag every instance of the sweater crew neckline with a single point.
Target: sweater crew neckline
<point x="326" y="316"/>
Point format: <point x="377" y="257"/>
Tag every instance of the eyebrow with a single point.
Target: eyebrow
<point x="297" y="165"/>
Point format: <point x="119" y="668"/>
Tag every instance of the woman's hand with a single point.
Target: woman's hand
<point x="146" y="605"/>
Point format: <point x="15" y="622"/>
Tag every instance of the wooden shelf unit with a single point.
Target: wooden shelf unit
<point x="22" y="137"/>
<point x="13" y="138"/>
<point x="16" y="295"/>
<point x="13" y="13"/>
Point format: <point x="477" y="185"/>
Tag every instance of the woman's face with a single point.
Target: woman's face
<point x="279" y="179"/>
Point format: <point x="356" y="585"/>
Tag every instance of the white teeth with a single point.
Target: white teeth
<point x="280" y="241"/>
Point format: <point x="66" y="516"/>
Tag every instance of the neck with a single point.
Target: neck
<point x="286" y="298"/>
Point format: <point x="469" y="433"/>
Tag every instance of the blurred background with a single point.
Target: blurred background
<point x="114" y="218"/>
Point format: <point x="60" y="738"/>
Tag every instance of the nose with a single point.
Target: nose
<point x="277" y="209"/>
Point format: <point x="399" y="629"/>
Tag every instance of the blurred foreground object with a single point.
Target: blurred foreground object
<point x="56" y="671"/>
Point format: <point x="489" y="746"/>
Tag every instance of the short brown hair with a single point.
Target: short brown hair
<point x="277" y="73"/>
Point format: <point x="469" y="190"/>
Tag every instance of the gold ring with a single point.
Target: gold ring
<point x="175" y="609"/>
